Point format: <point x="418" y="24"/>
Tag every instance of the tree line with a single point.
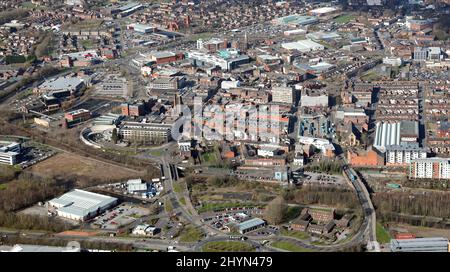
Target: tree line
<point x="436" y="204"/>
<point x="329" y="167"/>
<point x="421" y="221"/>
<point x="28" y="190"/>
<point x="319" y="195"/>
<point x="8" y="173"/>
<point x="31" y="222"/>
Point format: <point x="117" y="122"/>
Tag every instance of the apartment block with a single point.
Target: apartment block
<point x="430" y="168"/>
<point x="403" y="155"/>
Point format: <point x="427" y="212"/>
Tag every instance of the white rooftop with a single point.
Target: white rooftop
<point x="323" y="10"/>
<point x="134" y="181"/>
<point x="81" y="203"/>
<point x="303" y="45"/>
<point x="40" y="248"/>
<point x="61" y="83"/>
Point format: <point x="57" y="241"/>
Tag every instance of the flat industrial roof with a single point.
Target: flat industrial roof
<point x="302" y="45"/>
<point x="61" y="83"/>
<point x="420" y="244"/>
<point x="81" y="203"/>
<point x="162" y="54"/>
<point x="323" y="10"/>
<point x="254" y="222"/>
<point x="77" y="111"/>
<point x="406" y="147"/>
<point x="39" y="248"/>
<point x="134" y="181"/>
<point x="435" y="159"/>
<point x="409" y="128"/>
<point x="129" y="6"/>
<point x="296" y="19"/>
<point x="8" y="144"/>
<point x="6" y="147"/>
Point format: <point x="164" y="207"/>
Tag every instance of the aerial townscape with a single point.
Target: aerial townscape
<point x="224" y="126"/>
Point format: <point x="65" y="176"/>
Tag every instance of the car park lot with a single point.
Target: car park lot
<point x="120" y="216"/>
<point x="223" y="219"/>
<point x="322" y="179"/>
<point x="33" y="155"/>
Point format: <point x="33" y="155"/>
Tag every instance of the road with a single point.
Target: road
<point x="368" y="227"/>
<point x="422" y="130"/>
<point x="222" y="238"/>
<point x="149" y="244"/>
<point x="366" y="232"/>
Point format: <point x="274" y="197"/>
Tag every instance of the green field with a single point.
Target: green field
<point x="382" y="234"/>
<point x="18" y="59"/>
<point x="290" y="247"/>
<point x="209" y="157"/>
<point x="156" y="153"/>
<point x="178" y="187"/>
<point x="3" y="186"/>
<point x="228" y="246"/>
<point x="183" y="201"/>
<point x="297" y="234"/>
<point x="190" y="234"/>
<point x="168" y="207"/>
<point x="343" y="19"/>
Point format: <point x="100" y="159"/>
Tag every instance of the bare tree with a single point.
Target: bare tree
<point x="275" y="210"/>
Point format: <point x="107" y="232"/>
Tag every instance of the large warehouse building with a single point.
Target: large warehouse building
<point x="303" y="46"/>
<point x="81" y="205"/>
<point x="398" y="133"/>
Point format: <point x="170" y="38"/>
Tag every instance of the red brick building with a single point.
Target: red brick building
<point x="166" y="57"/>
<point x="80" y="115"/>
<point x="136" y="109"/>
<point x="321" y="215"/>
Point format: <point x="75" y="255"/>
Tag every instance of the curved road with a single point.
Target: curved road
<point x="365" y="233"/>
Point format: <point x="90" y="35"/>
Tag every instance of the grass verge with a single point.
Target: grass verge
<point x="228" y="246"/>
<point x="290" y="247"/>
